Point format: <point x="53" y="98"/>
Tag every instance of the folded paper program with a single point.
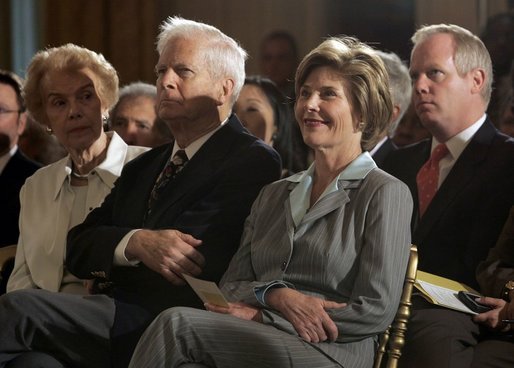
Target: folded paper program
<point x="208" y="291"/>
<point x="442" y="291"/>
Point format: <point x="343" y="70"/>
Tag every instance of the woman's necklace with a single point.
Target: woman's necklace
<point x="79" y="176"/>
<point x="100" y="158"/>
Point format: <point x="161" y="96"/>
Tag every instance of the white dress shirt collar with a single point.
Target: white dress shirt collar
<point x="108" y="170"/>
<point x="195" y="146"/>
<point x="458" y="142"/>
<point x="4" y="159"/>
<point x="378" y="145"/>
<point x="456" y="146"/>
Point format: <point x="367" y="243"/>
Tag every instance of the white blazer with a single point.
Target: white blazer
<point x="46" y="204"/>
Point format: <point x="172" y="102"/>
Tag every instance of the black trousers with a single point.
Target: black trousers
<point x="442" y="338"/>
<point x="73" y="329"/>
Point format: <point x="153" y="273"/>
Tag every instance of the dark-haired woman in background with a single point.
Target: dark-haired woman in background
<point x="263" y="110"/>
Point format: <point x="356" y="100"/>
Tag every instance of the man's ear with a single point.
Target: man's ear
<point x="478" y="80"/>
<point x="396" y="113"/>
<point x="226" y="92"/>
<point x="22" y="123"/>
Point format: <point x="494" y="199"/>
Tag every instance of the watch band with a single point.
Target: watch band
<point x="507" y="289"/>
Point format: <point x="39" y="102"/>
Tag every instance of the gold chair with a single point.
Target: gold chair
<point x="392" y="340"/>
<point x="7" y="254"/>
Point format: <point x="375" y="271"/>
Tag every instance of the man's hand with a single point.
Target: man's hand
<point x="239" y="310"/>
<point x="168" y="252"/>
<point x="306" y="313"/>
<point x="89" y="285"/>
<point x="501" y="311"/>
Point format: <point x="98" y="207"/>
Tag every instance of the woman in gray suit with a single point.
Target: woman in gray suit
<point x="322" y="260"/>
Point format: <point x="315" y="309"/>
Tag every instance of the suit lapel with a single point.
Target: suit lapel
<point x="12" y="168"/>
<point x="290" y="227"/>
<point x="386" y="148"/>
<point x="419" y="157"/>
<point x="328" y="204"/>
<point x="325" y="205"/>
<point x="461" y="175"/>
<point x="199" y="171"/>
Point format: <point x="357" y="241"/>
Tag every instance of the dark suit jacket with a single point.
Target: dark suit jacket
<point x="498" y="268"/>
<point x="209" y="199"/>
<point x="385" y="149"/>
<point x="18" y="168"/>
<point x="465" y="217"/>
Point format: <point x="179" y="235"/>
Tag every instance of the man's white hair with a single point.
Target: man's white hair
<point x="224" y="57"/>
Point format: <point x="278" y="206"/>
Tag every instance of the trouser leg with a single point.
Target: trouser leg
<point x="494" y="353"/>
<point x="74" y="329"/>
<point x="184" y="335"/>
<point x="438" y="337"/>
<point x="34" y="359"/>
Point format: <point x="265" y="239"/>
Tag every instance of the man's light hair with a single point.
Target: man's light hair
<point x="399" y="83"/>
<point x="470" y="52"/>
<point x="223" y="57"/>
<point x="133" y="90"/>
<point x="136" y="89"/>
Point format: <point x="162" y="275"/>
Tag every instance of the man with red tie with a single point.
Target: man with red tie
<point x="461" y="181"/>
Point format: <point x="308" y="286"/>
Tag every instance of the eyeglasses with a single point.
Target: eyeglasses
<point x="7" y="111"/>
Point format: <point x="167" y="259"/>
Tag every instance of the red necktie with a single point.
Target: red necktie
<point x="428" y="178"/>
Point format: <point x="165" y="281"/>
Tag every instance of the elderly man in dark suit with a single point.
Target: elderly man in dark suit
<point x="177" y="210"/>
<point x="15" y="167"/>
<point x="461" y="182"/>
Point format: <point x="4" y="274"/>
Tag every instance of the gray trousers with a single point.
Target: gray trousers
<point x="34" y="359"/>
<point x="184" y="335"/>
<point x="73" y="329"/>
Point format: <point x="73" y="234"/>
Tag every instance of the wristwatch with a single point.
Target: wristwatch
<point x="509" y="286"/>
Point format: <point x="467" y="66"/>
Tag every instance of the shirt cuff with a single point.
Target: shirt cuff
<point x="119" y="252"/>
<point x="260" y="291"/>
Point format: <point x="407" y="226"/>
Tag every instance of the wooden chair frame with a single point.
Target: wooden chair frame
<point x="392" y="340"/>
<point x="7" y="254"/>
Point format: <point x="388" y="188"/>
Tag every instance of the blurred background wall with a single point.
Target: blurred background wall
<point x="125" y="30"/>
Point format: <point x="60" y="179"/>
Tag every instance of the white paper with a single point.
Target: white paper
<point x="445" y="297"/>
<point x="208" y="291"/>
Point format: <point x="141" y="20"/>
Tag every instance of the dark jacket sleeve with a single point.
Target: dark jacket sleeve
<point x="212" y="206"/>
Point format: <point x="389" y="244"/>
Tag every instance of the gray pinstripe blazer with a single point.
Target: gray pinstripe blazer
<point x="352" y="246"/>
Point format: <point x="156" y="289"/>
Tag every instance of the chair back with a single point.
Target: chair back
<point x="392" y="340"/>
<point x="7" y="254"/>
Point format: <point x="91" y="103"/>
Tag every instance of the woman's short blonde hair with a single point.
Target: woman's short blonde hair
<point x="364" y="77"/>
<point x="68" y="57"/>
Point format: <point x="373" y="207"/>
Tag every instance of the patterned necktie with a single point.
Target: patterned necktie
<point x="172" y="168"/>
<point x="428" y="178"/>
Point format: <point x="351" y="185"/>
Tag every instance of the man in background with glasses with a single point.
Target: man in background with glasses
<point x="15" y="167"/>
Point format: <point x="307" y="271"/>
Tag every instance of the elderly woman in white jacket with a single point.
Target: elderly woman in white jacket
<point x="69" y="89"/>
